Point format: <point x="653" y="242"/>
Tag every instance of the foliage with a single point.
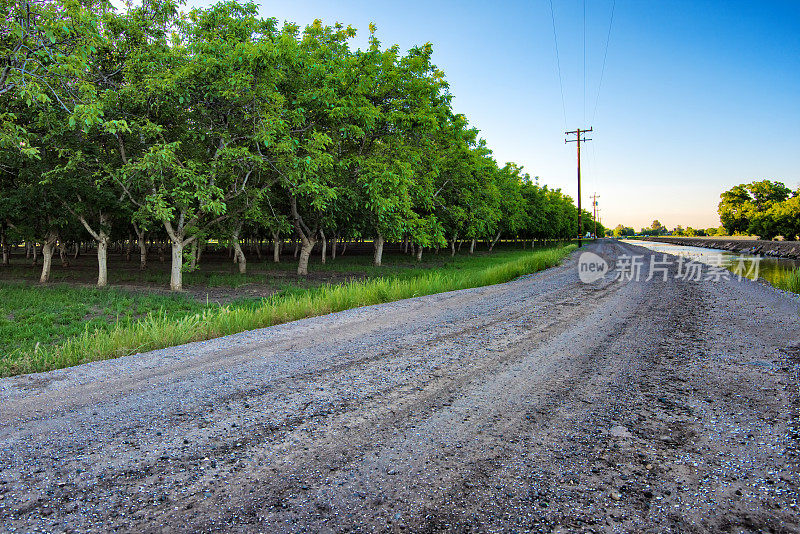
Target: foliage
<point x="218" y="124"/>
<point x="764" y="208"/>
<point x="623" y="231"/>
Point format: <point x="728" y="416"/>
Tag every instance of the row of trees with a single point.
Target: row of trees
<point x="764" y="208"/>
<point x="656" y="229"/>
<point x="218" y="124"/>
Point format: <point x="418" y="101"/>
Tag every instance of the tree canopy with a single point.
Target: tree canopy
<point x="220" y="124"/>
<point x="764" y="208"/>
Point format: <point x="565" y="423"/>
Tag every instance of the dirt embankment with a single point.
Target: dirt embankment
<point x="780" y="249"/>
<point x="542" y="405"/>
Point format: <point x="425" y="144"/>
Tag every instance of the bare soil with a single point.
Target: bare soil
<point x="539" y="405"/>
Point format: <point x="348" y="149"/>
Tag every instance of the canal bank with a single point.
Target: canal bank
<point x="778" y="271"/>
<point x="778" y="249"/>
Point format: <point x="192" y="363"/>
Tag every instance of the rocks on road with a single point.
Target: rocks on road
<point x="542" y="404"/>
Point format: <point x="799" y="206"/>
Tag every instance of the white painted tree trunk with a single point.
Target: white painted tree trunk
<point x="324" y="246"/>
<point x="378" y="257"/>
<point x="102" y="260"/>
<point x="419" y="253"/>
<point x="472" y="246"/>
<point x="47" y="255"/>
<point x="238" y="254"/>
<point x="276" y="247"/>
<point x="305" y="254"/>
<point x="494" y="241"/>
<point x="176" y="272"/>
<point x="62" y="254"/>
<point x="102" y="238"/>
<point x="4" y="244"/>
<point x="142" y="252"/>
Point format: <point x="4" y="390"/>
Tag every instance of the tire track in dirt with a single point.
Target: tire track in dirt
<point x="541" y="404"/>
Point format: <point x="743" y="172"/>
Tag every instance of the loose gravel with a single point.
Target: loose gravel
<point x="543" y="404"/>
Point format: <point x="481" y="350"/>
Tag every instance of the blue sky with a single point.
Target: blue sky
<point x="697" y="96"/>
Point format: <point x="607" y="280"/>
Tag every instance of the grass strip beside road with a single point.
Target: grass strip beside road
<point x="167" y="327"/>
<point x="790" y="281"/>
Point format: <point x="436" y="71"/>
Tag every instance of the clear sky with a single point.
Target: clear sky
<point x="696" y="96"/>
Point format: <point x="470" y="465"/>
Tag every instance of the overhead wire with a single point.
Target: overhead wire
<point x="558" y="64"/>
<point x="605" y="56"/>
<point x="584" y="61"/>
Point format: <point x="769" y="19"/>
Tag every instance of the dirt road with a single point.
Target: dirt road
<point x="542" y="404"/>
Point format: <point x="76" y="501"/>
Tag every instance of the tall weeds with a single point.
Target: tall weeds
<point x="157" y="330"/>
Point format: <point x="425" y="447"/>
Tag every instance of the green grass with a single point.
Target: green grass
<point x="55" y="327"/>
<point x="790" y="281"/>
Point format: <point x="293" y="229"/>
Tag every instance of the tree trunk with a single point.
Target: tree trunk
<point x="238" y="255"/>
<point x="296" y="247"/>
<point x="378" y="244"/>
<point x="472" y="246"/>
<point x="142" y="247"/>
<point x="335" y="244"/>
<point x="35" y="252"/>
<point x="305" y="254"/>
<point x="62" y="254"/>
<point x="201" y="246"/>
<point x="102" y="238"/>
<point x="453" y="246"/>
<point x="27" y="250"/>
<point x="193" y="255"/>
<point x="419" y="253"/>
<point x="4" y="243"/>
<point x="324" y="246"/>
<point x="128" y="246"/>
<point x="176" y="272"/>
<point x="102" y="260"/>
<point x="276" y="247"/>
<point x="47" y="255"/>
<point x="494" y="241"/>
<point x="344" y="247"/>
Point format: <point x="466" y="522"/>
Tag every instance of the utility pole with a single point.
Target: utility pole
<point x="577" y="133"/>
<point x="594" y="212"/>
<point x="598" y="217"/>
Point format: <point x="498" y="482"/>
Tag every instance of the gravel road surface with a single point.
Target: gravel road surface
<point x="543" y="404"/>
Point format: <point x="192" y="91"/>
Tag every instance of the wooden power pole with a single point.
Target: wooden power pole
<point x="577" y="133"/>
<point x="594" y="212"/>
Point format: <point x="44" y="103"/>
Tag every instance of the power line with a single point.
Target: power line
<point x="558" y="63"/>
<point x="605" y="55"/>
<point x="577" y="133"/>
<point x="584" y="60"/>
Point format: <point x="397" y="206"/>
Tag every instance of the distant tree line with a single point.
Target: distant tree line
<point x="763" y="208"/>
<point x="220" y="125"/>
<point x="658" y="229"/>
